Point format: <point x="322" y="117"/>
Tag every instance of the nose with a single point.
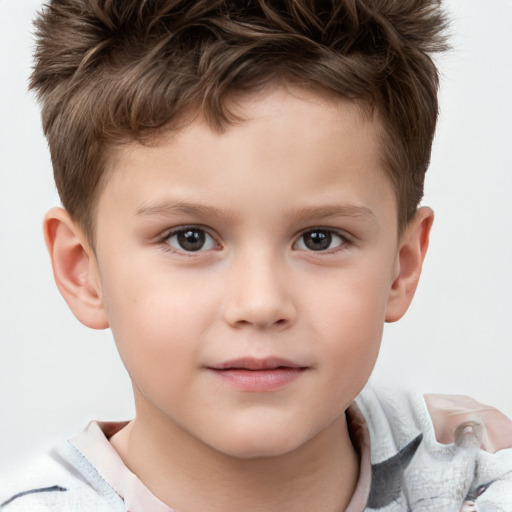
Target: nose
<point x="259" y="293"/>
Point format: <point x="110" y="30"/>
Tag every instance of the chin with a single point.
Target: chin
<point x="260" y="445"/>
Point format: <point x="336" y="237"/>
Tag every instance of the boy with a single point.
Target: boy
<point x="241" y="183"/>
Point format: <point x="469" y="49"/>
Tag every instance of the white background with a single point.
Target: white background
<point x="56" y="375"/>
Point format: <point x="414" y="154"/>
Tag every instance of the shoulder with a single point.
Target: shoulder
<point x="441" y="419"/>
<point x="62" y="480"/>
<point x="445" y="452"/>
<point x="453" y="415"/>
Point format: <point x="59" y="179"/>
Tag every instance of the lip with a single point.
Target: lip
<point x="258" y="375"/>
<point x="255" y="363"/>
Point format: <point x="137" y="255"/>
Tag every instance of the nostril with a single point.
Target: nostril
<point x="260" y="324"/>
<point x="262" y="312"/>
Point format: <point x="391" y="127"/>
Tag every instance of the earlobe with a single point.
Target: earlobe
<point x="74" y="268"/>
<point x="411" y="254"/>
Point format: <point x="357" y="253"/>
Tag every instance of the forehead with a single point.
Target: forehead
<point x="241" y="107"/>
<point x="252" y="113"/>
<point x="283" y="138"/>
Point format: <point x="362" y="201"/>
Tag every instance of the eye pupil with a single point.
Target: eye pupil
<point x="191" y="239"/>
<point x="318" y="240"/>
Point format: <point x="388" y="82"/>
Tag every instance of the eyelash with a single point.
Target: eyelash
<point x="332" y="233"/>
<point x="164" y="240"/>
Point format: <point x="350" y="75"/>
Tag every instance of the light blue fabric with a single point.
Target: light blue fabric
<point x="429" y="476"/>
<point x="62" y="481"/>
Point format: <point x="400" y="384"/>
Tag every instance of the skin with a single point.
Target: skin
<point x="301" y="164"/>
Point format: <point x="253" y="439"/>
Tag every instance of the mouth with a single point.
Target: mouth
<point x="258" y="375"/>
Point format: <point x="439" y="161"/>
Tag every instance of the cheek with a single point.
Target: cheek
<point x="151" y="300"/>
<point x="351" y="302"/>
<point x="156" y="323"/>
<point x="349" y="317"/>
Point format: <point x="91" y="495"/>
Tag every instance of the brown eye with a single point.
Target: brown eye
<point x="190" y="240"/>
<point x="319" y="240"/>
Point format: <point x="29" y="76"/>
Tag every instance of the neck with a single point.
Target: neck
<point x="187" y="475"/>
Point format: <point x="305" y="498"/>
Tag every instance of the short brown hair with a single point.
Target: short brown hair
<point x="114" y="71"/>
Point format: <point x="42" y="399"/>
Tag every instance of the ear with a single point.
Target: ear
<point x="74" y="268"/>
<point x="411" y="253"/>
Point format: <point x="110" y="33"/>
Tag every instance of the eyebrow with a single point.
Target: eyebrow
<point x="335" y="210"/>
<point x="169" y="208"/>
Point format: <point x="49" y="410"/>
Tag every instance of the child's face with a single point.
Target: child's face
<point x="221" y="256"/>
